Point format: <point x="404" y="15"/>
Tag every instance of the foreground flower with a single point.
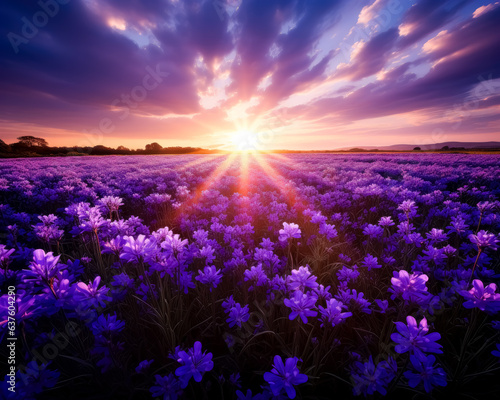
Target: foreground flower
<point x="484" y="239"/>
<point x="135" y="250"/>
<point x="426" y="372"/>
<point x="284" y="376"/>
<point x="143" y="366"/>
<point x="209" y="276"/>
<point x="5" y="256"/>
<point x="369" y="378"/>
<point x="44" y="267"/>
<point x="302" y="278"/>
<point x="238" y="315"/>
<point x="409" y="287"/>
<point x="91" y="294"/>
<point x="301" y="305"/>
<point x="194" y="364"/>
<point x="167" y="387"/>
<point x="333" y="314"/>
<point x="414" y="338"/>
<point x="484" y="298"/>
<point x="289" y="231"/>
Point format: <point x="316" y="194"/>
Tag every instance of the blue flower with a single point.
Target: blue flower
<point x="289" y="231"/>
<point x="238" y="315"/>
<point x="333" y="314"/>
<point x="484" y="298"/>
<point x="301" y="305"/>
<point x="414" y="338"/>
<point x="426" y="372"/>
<point x="194" y="364"/>
<point x="302" y="278"/>
<point x="91" y="294"/>
<point x="136" y="250"/>
<point x="209" y="276"/>
<point x="284" y="376"/>
<point x="44" y="267"/>
<point x="167" y="387"/>
<point x="143" y="366"/>
<point x="369" y="378"/>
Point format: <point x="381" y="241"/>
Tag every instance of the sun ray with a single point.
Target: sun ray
<point x="207" y="184"/>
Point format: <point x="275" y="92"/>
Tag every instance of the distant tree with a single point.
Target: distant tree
<point x="122" y="148"/>
<point x="4" y="147"/>
<point x="445" y="148"/>
<point x="417" y="148"/>
<point x="153" y="148"/>
<point x="102" y="150"/>
<point x="31" y="141"/>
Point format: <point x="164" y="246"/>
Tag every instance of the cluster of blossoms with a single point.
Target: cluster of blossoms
<point x="236" y="313"/>
<point x="143" y="257"/>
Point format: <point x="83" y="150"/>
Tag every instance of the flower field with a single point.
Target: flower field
<point x="250" y="276"/>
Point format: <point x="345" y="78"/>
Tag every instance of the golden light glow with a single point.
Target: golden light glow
<point x="244" y="140"/>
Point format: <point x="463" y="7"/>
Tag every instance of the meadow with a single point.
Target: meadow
<point x="250" y="276"/>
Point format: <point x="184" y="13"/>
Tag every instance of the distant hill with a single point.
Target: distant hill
<point x="433" y="146"/>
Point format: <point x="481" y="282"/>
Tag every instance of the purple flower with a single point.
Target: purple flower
<point x="289" y="231"/>
<point x="369" y="378"/>
<point x="284" y="376"/>
<point x="5" y="256"/>
<point x="302" y="278"/>
<point x="209" y="276"/>
<point x="383" y="305"/>
<point x="107" y="325"/>
<point x="114" y="246"/>
<point x="174" y="244"/>
<point x="92" y="294"/>
<point x="484" y="298"/>
<point x="386" y="221"/>
<point x="256" y="276"/>
<point x="37" y="377"/>
<point x="44" y="267"/>
<point x="167" y="387"/>
<point x="355" y="299"/>
<point x="143" y="366"/>
<point x="301" y="305"/>
<point x="111" y="203"/>
<point x="436" y="235"/>
<point x="333" y="314"/>
<point x="328" y="230"/>
<point x="371" y="262"/>
<point x="424" y="371"/>
<point x="496" y="353"/>
<point x="408" y="207"/>
<point x="484" y="239"/>
<point x="373" y="231"/>
<point x="346" y="274"/>
<point x="414" y="338"/>
<point x="136" y="250"/>
<point x="409" y="287"/>
<point x="194" y="364"/>
<point x="238" y="315"/>
<point x="228" y="303"/>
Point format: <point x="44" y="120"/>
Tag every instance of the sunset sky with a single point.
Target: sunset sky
<point x="304" y="74"/>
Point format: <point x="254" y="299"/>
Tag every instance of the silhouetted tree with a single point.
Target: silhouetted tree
<point x="153" y="148"/>
<point x="417" y="148"/>
<point x="31" y="141"/>
<point x="445" y="148"/>
<point x="4" y="147"/>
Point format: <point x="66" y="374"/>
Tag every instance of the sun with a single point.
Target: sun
<point x="244" y="140"/>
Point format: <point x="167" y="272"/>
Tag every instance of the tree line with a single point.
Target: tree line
<point x="31" y="146"/>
